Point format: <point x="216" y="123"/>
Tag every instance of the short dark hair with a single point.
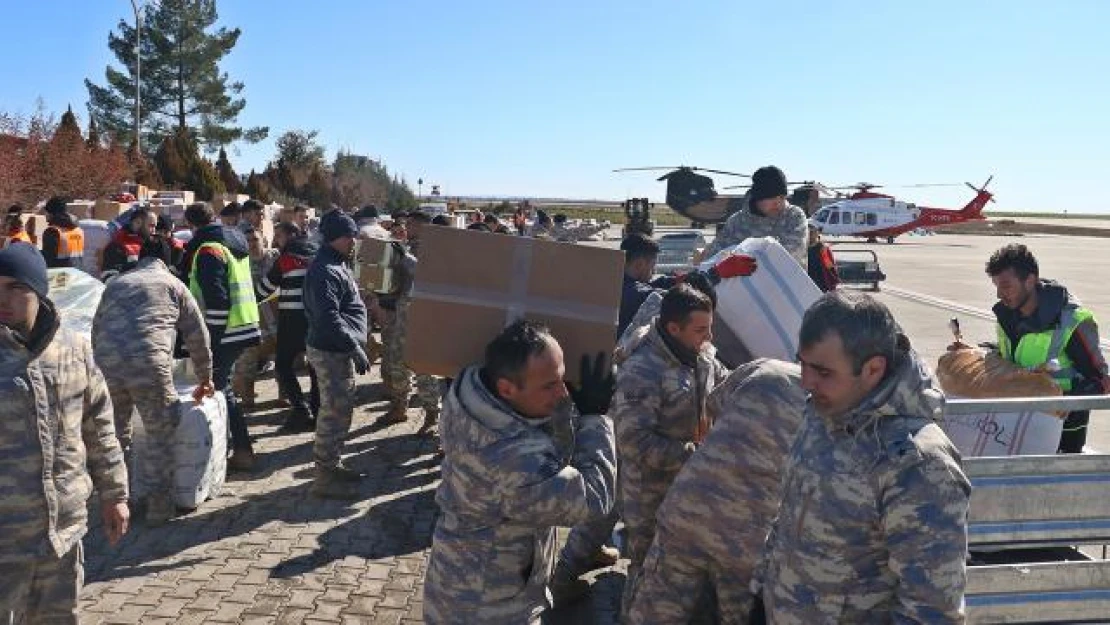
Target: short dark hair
<point x="15" y="208"/>
<point x="480" y="227"/>
<point x="300" y="208"/>
<point x="370" y="211"/>
<point x="490" y="218"/>
<point x="507" y="355"/>
<point x="231" y="208"/>
<point x="165" y="224"/>
<point x="639" y="245"/>
<point x="441" y="220"/>
<point x="681" y="300"/>
<point x="252" y="205"/>
<point x="701" y="282"/>
<point x="288" y="229"/>
<point x="56" y="204"/>
<point x="13" y="220"/>
<point x="199" y="214"/>
<point x="423" y="218"/>
<point x="865" y="326"/>
<point x="141" y="212"/>
<point x="1013" y="256"/>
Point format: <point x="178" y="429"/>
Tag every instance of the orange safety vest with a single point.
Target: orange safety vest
<point x="71" y="244"/>
<point x="19" y="236"/>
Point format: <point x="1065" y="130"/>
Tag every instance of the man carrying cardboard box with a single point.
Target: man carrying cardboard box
<point x="395" y="373"/>
<point x="519" y="461"/>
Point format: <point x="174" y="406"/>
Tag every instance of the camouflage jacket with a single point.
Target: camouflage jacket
<point x="659" y="411"/>
<point x="57" y="441"/>
<point x="789" y="228"/>
<point x="873" y="522"/>
<point x="507" y="482"/>
<point x="725" y="498"/>
<point x="139" y="315"/>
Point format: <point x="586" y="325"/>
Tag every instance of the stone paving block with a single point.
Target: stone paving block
<point x="394" y="599"/>
<point x="168" y="607"/>
<point x="302" y="598"/>
<point x="293" y="616"/>
<point x="361" y="605"/>
<point x="388" y="617"/>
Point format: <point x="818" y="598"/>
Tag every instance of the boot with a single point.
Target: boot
<point x="565" y="588"/>
<point x="159" y="510"/>
<point x="299" y="421"/>
<point x="339" y="482"/>
<point x="431" y="419"/>
<point x="397" y="413"/>
<point x="241" y="460"/>
<point x="605" y="557"/>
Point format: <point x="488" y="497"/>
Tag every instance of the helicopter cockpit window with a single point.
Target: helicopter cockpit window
<point x="822" y="216"/>
<point x="834" y="218"/>
<point x="872" y="219"/>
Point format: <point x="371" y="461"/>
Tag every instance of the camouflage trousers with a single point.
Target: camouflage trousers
<point x="335" y="374"/>
<point x="245" y="373"/>
<point x="395" y="375"/>
<point x="155" y="399"/>
<point x="679" y="583"/>
<point x="43" y="590"/>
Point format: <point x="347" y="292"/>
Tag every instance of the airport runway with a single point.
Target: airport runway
<point x="931" y="279"/>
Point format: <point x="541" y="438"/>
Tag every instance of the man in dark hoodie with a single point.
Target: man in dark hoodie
<point x="288" y="276"/>
<point x="219" y="273"/>
<point x="336" y="333"/>
<point x="1041" y="325"/>
<point x="63" y="242"/>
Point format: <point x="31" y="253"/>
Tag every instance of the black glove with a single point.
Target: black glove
<point x="596" y="386"/>
<point x="362" y="362"/>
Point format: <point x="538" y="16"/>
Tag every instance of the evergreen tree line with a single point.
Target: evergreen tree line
<point x="189" y="112"/>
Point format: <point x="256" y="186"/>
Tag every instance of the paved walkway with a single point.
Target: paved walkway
<point x="265" y="551"/>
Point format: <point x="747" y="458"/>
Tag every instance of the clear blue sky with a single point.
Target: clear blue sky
<point x="546" y="98"/>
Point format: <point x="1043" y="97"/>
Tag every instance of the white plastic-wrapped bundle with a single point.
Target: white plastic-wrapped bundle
<point x="76" y="295"/>
<point x="765" y="310"/>
<point x="97" y="237"/>
<point x="199" y="451"/>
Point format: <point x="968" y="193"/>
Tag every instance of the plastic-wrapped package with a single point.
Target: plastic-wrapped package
<point x="76" y="295"/>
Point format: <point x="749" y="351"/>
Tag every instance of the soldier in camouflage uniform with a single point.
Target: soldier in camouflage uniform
<point x="133" y="333"/>
<point x="519" y="461"/>
<point x="873" y="522"/>
<point x="766" y="214"/>
<point x="336" y="331"/>
<point x="711" y="527"/>
<point x="659" y="409"/>
<point x="57" y="443"/>
<point x="397" y="376"/>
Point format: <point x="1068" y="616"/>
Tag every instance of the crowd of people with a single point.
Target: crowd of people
<point x="822" y="490"/>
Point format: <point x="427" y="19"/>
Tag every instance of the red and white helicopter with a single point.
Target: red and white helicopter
<point x="875" y="215"/>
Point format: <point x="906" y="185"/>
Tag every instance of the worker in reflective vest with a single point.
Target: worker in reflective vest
<point x="1041" y="326"/>
<point x="14" y="230"/>
<point x="63" y="242"/>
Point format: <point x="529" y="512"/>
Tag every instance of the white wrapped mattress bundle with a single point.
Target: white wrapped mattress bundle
<point x="199" y="451"/>
<point x="97" y="238"/>
<point x="765" y="310"/>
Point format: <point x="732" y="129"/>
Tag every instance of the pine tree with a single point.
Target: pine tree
<point x="257" y="188"/>
<point x="173" y="167"/>
<point x="317" y="191"/>
<point x="92" y="141"/>
<point x="67" y="129"/>
<point x="182" y="85"/>
<point x="227" y="173"/>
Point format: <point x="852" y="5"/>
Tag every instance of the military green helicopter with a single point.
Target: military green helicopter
<point x="694" y="196"/>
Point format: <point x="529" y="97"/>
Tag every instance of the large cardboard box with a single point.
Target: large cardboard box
<point x="374" y="260"/>
<point x="108" y="211"/>
<point x="469" y="285"/>
<point x="35" y="225"/>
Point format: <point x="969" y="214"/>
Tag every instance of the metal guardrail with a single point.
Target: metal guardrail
<point x="1071" y="592"/>
<point x="1026" y="404"/>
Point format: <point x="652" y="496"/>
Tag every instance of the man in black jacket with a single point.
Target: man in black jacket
<point x="336" y="332"/>
<point x="217" y="269"/>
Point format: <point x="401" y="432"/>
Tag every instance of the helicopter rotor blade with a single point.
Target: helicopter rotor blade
<point x="738" y="186"/>
<point x="646" y="168"/>
<point x="722" y="172"/>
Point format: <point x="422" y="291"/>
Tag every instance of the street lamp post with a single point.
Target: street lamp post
<point x="138" y="70"/>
